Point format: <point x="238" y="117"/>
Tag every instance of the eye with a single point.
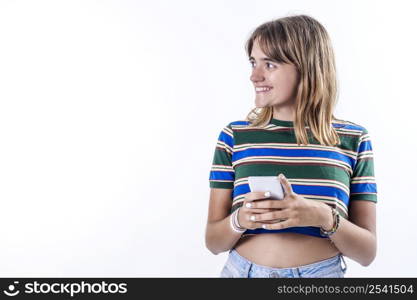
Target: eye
<point x="270" y="65"/>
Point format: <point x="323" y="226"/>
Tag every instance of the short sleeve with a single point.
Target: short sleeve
<point x="222" y="173"/>
<point x="363" y="185"/>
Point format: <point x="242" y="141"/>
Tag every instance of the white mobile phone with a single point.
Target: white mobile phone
<point x="267" y="183"/>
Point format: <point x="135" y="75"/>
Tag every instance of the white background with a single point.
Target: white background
<point x="110" y="111"/>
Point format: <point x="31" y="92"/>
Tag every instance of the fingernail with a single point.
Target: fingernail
<point x="248" y="205"/>
<point x="267" y="194"/>
<point x="252" y="218"/>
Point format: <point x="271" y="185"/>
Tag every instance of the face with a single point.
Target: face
<point x="280" y="79"/>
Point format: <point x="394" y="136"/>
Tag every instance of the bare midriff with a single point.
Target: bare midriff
<point x="285" y="250"/>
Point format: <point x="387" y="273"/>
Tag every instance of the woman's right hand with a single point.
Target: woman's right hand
<point x="245" y="213"/>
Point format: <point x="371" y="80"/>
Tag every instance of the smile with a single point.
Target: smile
<point x="262" y="89"/>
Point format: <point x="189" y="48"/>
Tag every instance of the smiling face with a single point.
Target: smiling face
<point x="275" y="83"/>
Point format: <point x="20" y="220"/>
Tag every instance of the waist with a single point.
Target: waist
<point x="285" y="250"/>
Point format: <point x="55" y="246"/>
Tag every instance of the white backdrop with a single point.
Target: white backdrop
<point x="110" y="111"/>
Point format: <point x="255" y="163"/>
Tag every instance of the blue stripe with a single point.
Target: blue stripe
<point x="363" y="188"/>
<point x="293" y="153"/>
<point x="218" y="175"/>
<point x="240" y="123"/>
<point x="353" y="127"/>
<point x="303" y="189"/>
<point x="241" y="189"/>
<point x="310" y="230"/>
<point x="365" y="146"/>
<point x="224" y="137"/>
<point x="322" y="191"/>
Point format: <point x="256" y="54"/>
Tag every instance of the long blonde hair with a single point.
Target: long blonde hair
<point x="302" y="41"/>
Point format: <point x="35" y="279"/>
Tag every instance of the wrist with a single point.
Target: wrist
<point x="238" y="220"/>
<point x="234" y="223"/>
<point x="336" y="221"/>
<point x="327" y="219"/>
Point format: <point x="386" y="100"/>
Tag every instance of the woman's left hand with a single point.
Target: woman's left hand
<point x="295" y="210"/>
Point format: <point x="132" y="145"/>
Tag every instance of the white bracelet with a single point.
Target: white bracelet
<point x="232" y="224"/>
<point x="236" y="219"/>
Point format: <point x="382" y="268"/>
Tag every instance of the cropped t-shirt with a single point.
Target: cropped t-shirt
<point x="335" y="175"/>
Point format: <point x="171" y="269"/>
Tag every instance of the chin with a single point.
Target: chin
<point x="261" y="103"/>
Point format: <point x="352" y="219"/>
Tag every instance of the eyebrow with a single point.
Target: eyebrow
<point x="264" y="59"/>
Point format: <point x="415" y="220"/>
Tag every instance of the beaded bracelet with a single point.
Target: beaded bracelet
<point x="336" y="222"/>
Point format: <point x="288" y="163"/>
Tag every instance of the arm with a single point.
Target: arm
<point x="219" y="235"/>
<point x="356" y="237"/>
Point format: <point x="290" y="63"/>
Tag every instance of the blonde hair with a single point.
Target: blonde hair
<point x="302" y="41"/>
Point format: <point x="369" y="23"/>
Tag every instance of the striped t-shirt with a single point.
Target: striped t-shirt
<point x="334" y="175"/>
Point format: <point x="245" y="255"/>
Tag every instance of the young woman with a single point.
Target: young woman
<point x="327" y="165"/>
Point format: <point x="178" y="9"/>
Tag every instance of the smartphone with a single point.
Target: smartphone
<point x="267" y="183"/>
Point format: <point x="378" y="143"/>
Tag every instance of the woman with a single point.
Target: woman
<point x="330" y="192"/>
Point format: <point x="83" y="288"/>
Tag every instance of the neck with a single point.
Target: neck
<point x="286" y="113"/>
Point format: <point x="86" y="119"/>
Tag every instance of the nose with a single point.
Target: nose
<point x="257" y="75"/>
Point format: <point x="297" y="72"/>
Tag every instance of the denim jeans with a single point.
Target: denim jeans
<point x="238" y="266"/>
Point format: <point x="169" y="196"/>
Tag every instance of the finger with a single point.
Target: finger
<point x="251" y="196"/>
<point x="258" y="210"/>
<point x="280" y="225"/>
<point x="270" y="216"/>
<point x="285" y="184"/>
<point x="271" y="204"/>
<point x="271" y="221"/>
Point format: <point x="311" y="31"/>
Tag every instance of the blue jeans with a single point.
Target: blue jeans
<point x="238" y="266"/>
